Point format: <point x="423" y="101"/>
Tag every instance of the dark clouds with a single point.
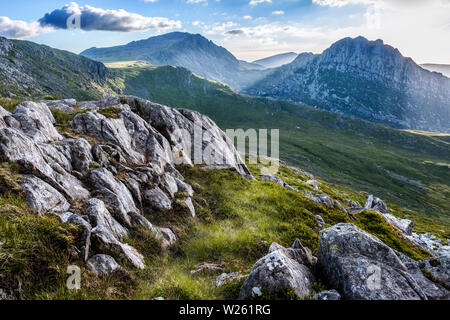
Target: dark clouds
<point x="235" y="32"/>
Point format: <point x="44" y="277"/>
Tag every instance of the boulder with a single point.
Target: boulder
<point x="102" y="264"/>
<point x="376" y="204"/>
<point x="277" y="180"/>
<point x="405" y="225"/>
<point x="104" y="241"/>
<point x="361" y="267"/>
<point x="282" y="269"/>
<point x="42" y="198"/>
<point x="439" y="270"/>
<point x="328" y="295"/>
<point x="100" y="216"/>
<point x="157" y="198"/>
<point x="313" y="183"/>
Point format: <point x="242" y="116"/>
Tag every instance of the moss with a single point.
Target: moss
<point x="376" y="225"/>
<point x="10" y="104"/>
<point x="50" y="98"/>
<point x="110" y="112"/>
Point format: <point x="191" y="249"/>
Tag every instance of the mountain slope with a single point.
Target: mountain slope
<point x="407" y="168"/>
<point x="191" y="51"/>
<point x="366" y="79"/>
<point x="277" y="60"/>
<point x="28" y="69"/>
<point x="441" y="68"/>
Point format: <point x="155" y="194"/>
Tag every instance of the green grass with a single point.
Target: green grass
<point x="409" y="170"/>
<point x="110" y="112"/>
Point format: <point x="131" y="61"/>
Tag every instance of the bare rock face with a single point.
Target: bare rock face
<point x="121" y="167"/>
<point x="328" y="295"/>
<point x="361" y="267"/>
<point x="281" y="269"/>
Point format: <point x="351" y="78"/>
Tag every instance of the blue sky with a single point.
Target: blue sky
<point x="251" y="29"/>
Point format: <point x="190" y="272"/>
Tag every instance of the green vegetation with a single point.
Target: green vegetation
<point x="110" y="112"/>
<point x="10" y="104"/>
<point x="408" y="169"/>
<point x="236" y="222"/>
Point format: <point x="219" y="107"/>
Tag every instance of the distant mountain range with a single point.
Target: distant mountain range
<point x="277" y="60"/>
<point x="191" y="51"/>
<point x="365" y="79"/>
<point x="354" y="77"/>
<point x="441" y="68"/>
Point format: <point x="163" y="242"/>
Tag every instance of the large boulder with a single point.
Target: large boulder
<point x="361" y="267"/>
<point x="282" y="269"/>
<point x="376" y="204"/>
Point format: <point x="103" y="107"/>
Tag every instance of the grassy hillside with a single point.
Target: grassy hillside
<point x="410" y="169"/>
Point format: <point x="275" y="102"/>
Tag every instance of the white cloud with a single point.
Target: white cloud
<point x="256" y="2"/>
<point x="196" y="1"/>
<point x="278" y="12"/>
<point x="247" y="17"/>
<point x="20" y="29"/>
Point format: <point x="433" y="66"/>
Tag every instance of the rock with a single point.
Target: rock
<point x="104" y="241"/>
<point x="81" y="154"/>
<point x="361" y="267"/>
<point x="100" y="216"/>
<point x="281" y="269"/>
<point x="376" y="204"/>
<point x="65" y="105"/>
<point x="190" y="206"/>
<point x="319" y="220"/>
<point x="439" y="270"/>
<point x="184" y="187"/>
<point x="114" y="193"/>
<point x="313" y="183"/>
<point x="36" y="121"/>
<point x="85" y="241"/>
<point x="339" y="205"/>
<point x="4" y="295"/>
<point x="321" y="199"/>
<point x="102" y="264"/>
<point x="157" y="198"/>
<point x="226" y="278"/>
<point x="352" y="204"/>
<point x="432" y="290"/>
<point x="165" y="235"/>
<point x="42" y="198"/>
<point x="328" y="295"/>
<point x="169" y="184"/>
<point x="207" y="268"/>
<point x="277" y="180"/>
<point x="404" y="225"/>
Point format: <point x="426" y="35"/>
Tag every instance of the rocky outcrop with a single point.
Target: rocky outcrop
<point x="282" y="269"/>
<point x="119" y="169"/>
<point x="361" y="267"/>
<point x="328" y="295"/>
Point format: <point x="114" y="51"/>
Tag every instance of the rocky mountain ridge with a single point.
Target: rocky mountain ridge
<point x="366" y="79"/>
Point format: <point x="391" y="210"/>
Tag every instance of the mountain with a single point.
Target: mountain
<point x="441" y="68"/>
<point x="365" y="79"/>
<point x="28" y="69"/>
<point x="191" y="51"/>
<point x="277" y="60"/>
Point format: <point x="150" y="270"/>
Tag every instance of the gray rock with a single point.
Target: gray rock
<point x="362" y="267"/>
<point x="42" y="198"/>
<point x="281" y="269"/>
<point x="226" y="278"/>
<point x="207" y="268"/>
<point x="277" y="180"/>
<point x="439" y="269"/>
<point x="376" y="204"/>
<point x="4" y="295"/>
<point x="351" y="203"/>
<point x="328" y="295"/>
<point x="100" y="216"/>
<point x="114" y="193"/>
<point x="190" y="206"/>
<point x="313" y="183"/>
<point x="81" y="154"/>
<point x="104" y="241"/>
<point x="319" y="220"/>
<point x="165" y="235"/>
<point x="404" y="225"/>
<point x="157" y="198"/>
<point x="85" y="241"/>
<point x="102" y="264"/>
<point x="432" y="290"/>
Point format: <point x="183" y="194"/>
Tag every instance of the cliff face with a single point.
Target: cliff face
<point x="366" y="79"/>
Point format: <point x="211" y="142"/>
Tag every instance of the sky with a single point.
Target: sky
<point x="250" y="29"/>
